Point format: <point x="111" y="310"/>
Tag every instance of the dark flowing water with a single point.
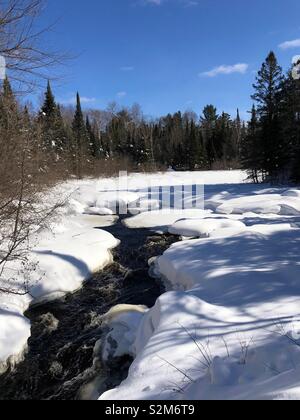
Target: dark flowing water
<point x="59" y="362"/>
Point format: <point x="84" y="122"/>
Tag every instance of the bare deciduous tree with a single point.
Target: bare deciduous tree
<point x="21" y="42"/>
<point x="21" y="163"/>
<point x="22" y="213"/>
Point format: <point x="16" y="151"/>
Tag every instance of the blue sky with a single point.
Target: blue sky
<point x="170" y="55"/>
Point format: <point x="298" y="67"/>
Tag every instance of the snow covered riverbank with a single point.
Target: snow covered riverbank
<point x="62" y="258"/>
<point x="229" y="327"/>
<point x="73" y="248"/>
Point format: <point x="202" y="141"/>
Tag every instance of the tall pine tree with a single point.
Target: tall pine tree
<point x="93" y="136"/>
<point x="54" y="135"/>
<point x="9" y="109"/>
<point x="251" y="152"/>
<point x="267" y="95"/>
<point x="290" y="122"/>
<point x="80" y="139"/>
<point x="208" y="125"/>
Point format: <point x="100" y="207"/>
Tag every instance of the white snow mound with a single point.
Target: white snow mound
<point x="202" y="228"/>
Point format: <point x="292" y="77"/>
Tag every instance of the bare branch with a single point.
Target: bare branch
<point x="21" y="43"/>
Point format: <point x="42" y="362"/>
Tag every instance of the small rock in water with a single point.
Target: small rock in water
<point x="48" y="324"/>
<point x="56" y="370"/>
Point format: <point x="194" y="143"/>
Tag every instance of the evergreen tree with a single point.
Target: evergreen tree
<point x="49" y="107"/>
<point x="80" y="140"/>
<point x="54" y="135"/>
<point x="208" y="124"/>
<point x="9" y="110"/>
<point x="62" y="139"/>
<point x="90" y="136"/>
<point x="251" y="153"/>
<point x="238" y="131"/>
<point x="194" y="151"/>
<point x="93" y="139"/>
<point x="290" y="121"/>
<point x="267" y="95"/>
<point x="176" y="138"/>
<point x="223" y="145"/>
<point x="26" y="116"/>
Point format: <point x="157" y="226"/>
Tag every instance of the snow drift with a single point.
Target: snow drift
<point x="63" y="257"/>
<point x="229" y="327"/>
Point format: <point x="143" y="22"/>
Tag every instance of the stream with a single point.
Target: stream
<point x="60" y="364"/>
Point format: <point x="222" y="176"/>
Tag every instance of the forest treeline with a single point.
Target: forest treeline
<point x="59" y="142"/>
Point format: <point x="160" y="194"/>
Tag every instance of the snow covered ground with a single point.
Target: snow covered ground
<point x="62" y="258"/>
<point x="229" y="325"/>
<point x="73" y="247"/>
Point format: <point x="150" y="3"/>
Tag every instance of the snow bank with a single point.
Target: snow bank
<point x="63" y="257"/>
<point x="202" y="228"/>
<point x="189" y="349"/>
<point x="291" y="193"/>
<point x="254" y="253"/>
<point x="98" y="211"/>
<point x="230" y="380"/>
<point x="69" y="259"/>
<point x="238" y="200"/>
<point x="160" y="220"/>
<point x="230" y="325"/>
<point x="228" y="329"/>
<point x="122" y="321"/>
<point x="226" y="326"/>
<point x="14" y="333"/>
<point x="284" y="204"/>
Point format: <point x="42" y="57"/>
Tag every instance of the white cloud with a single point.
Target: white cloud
<point x="121" y="94"/>
<point x="127" y="68"/>
<point x="72" y="101"/>
<point x="157" y="2"/>
<point x="86" y="100"/>
<point x="185" y="3"/>
<point x="236" y="68"/>
<point x="295" y="43"/>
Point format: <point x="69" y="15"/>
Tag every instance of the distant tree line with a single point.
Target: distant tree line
<point x="77" y="142"/>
